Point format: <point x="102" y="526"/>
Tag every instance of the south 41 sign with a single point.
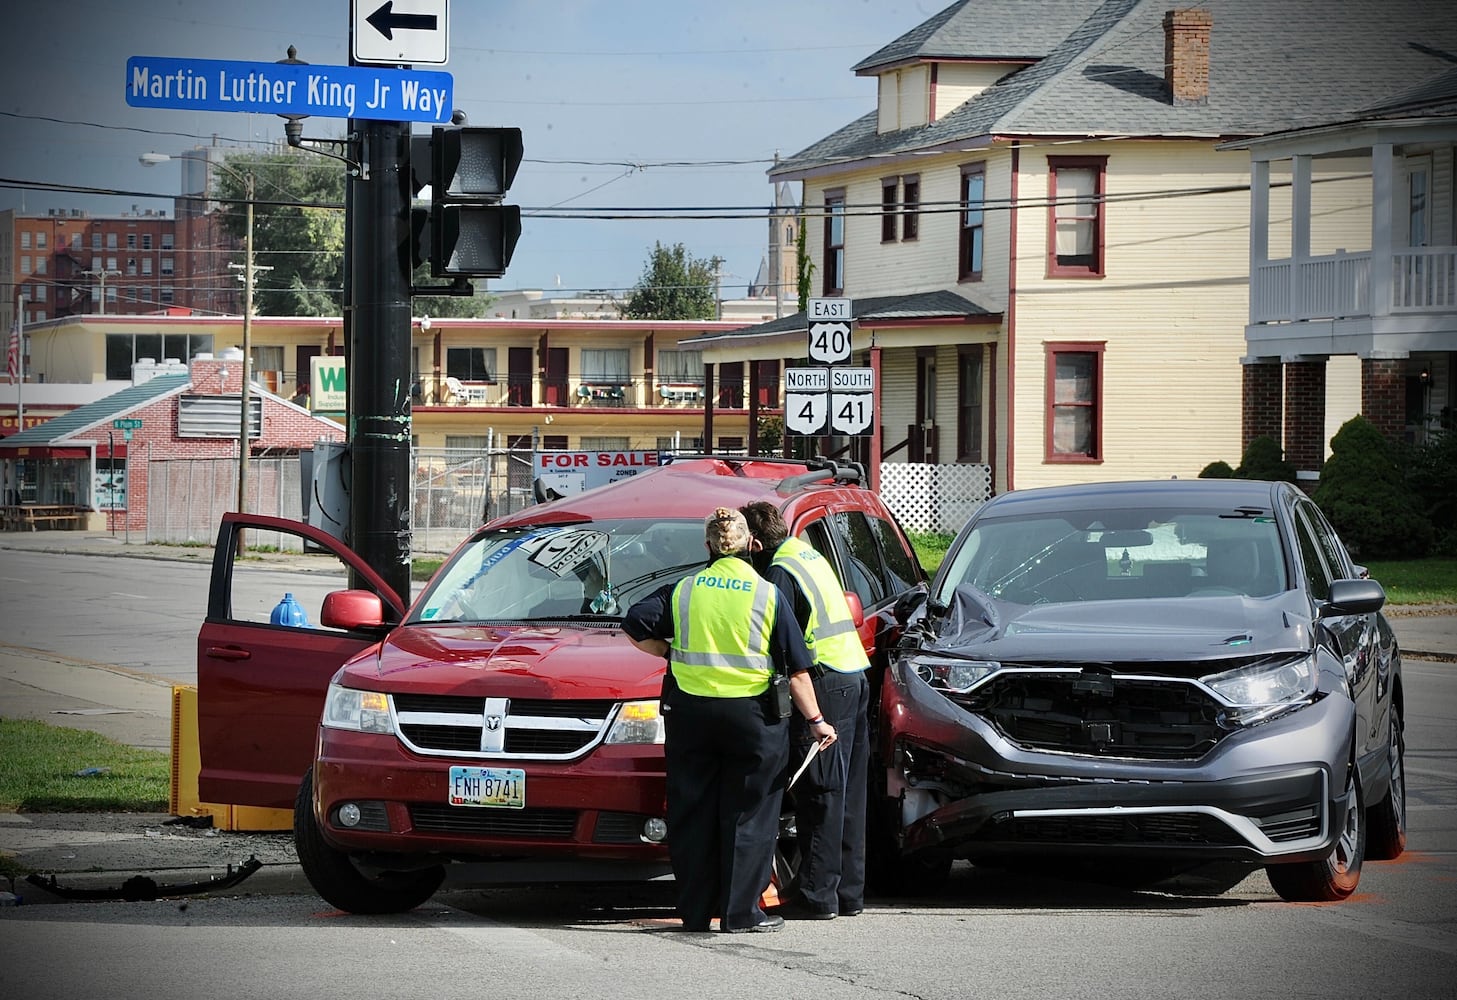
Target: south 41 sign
<point x="852" y="412"/>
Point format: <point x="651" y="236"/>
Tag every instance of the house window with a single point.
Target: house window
<point x="146" y="241"/>
<point x="131" y="241"/>
<point x="25" y="240"/>
<point x="166" y="294"/>
<point x="1417" y="205"/>
<point x="131" y="266"/>
<point x="911" y="208"/>
<point x="146" y="293"/>
<point x="111" y="241"/>
<point x="1074" y="402"/>
<point x="471" y="364"/>
<point x="888" y="190"/>
<point x="111" y="263"/>
<point x="680" y="367"/>
<point x="40" y="265"/>
<point x="95" y="263"/>
<point x="973" y="218"/>
<point x="605" y="365"/>
<point x="25" y="264"/>
<point x="1075" y="217"/>
<point x="40" y="241"/>
<point x="834" y="265"/>
<point x="610" y="442"/>
<point x="968" y="404"/>
<point x="472" y="443"/>
<point x="146" y="265"/>
<point x="122" y="349"/>
<point x="166" y="241"/>
<point x="167" y="265"/>
<point x="40" y="293"/>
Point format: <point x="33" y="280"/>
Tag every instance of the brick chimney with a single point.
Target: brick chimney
<point x="1186" y="55"/>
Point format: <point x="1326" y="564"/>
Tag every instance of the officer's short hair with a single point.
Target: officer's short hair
<point x="766" y="523"/>
<point x="726" y="532"/>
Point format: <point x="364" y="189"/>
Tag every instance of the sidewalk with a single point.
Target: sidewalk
<point x="103" y="850"/>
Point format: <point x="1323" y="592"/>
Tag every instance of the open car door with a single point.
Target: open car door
<point x="261" y="684"/>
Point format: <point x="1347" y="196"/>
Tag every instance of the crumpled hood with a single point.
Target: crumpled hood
<point x="510" y="662"/>
<point x="1112" y="631"/>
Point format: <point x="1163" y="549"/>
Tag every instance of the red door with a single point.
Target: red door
<point x="260" y="686"/>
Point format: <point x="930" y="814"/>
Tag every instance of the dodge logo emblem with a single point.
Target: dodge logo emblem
<point x="493" y="722"/>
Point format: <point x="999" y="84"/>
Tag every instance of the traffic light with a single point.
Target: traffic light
<point x="466" y="232"/>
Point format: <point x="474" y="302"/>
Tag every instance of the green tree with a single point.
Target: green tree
<point x="1364" y="494"/>
<point x="674" y="285"/>
<point x="804" y="267"/>
<point x="298" y="229"/>
<point x="298" y="232"/>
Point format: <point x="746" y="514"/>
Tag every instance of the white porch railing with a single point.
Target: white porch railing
<point x="1338" y="286"/>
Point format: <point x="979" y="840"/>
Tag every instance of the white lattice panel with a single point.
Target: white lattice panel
<point x="934" y="497"/>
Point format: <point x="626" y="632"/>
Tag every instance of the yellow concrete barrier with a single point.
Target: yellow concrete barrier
<point x="187" y="762"/>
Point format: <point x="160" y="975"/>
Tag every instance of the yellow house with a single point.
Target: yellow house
<point x="1047" y="248"/>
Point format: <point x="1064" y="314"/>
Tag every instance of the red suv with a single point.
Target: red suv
<point x="503" y="720"/>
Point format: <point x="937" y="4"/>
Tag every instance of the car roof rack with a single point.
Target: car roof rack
<point x="819" y="468"/>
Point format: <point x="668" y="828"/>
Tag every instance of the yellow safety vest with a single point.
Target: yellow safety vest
<point x="723" y="617"/>
<point x="830" y="633"/>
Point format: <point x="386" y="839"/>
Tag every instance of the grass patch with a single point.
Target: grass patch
<point x="423" y="569"/>
<point x="1417" y="581"/>
<point x="42" y="761"/>
<point x="930" y="548"/>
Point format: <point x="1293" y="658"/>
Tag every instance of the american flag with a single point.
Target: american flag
<point x="12" y="356"/>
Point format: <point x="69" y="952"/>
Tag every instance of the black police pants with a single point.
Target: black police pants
<point x="829" y="798"/>
<point x="725" y="760"/>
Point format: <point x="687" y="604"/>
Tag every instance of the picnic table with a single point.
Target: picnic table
<point x="33" y="515"/>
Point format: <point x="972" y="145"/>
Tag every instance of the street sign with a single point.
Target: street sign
<point x="407" y="31"/>
<point x="289" y="89"/>
<point x="806" y="400"/>
<point x="127" y="423"/>
<point x="829" y="342"/>
<point x="818" y="309"/>
<point x="852" y="395"/>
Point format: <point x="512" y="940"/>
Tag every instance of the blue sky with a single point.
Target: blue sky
<point x="619" y="86"/>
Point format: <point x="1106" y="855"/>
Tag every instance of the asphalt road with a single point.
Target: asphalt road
<point x="985" y="933"/>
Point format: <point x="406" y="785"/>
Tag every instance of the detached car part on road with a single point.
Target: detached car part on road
<point x="504" y="720"/>
<point x="1157" y="678"/>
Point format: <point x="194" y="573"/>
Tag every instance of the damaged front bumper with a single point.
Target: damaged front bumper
<point x="1263" y="793"/>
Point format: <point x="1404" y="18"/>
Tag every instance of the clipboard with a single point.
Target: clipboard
<point x="814" y="748"/>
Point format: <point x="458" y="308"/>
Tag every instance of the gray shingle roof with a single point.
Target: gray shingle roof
<point x="97" y="414"/>
<point x="985" y="29"/>
<point x="877" y="309"/>
<point x="1274" y="65"/>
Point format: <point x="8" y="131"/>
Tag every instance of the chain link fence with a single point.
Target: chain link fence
<point x="456" y="490"/>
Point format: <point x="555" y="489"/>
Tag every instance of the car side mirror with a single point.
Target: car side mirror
<point x="352" y="609"/>
<point x="864" y="629"/>
<point x="857" y="610"/>
<point x="1353" y="597"/>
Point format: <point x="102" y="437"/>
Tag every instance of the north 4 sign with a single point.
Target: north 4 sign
<point x="806" y="413"/>
<point x="401" y="32"/>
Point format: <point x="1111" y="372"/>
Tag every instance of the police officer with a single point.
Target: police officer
<point x="724" y="634"/>
<point x="829" y="798"/>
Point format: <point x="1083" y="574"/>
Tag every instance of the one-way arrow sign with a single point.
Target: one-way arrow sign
<point x="385" y="21"/>
<point x="416" y="33"/>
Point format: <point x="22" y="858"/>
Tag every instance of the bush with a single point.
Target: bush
<point x="1366" y="497"/>
<point x="1264" y="459"/>
<point x="1217" y="470"/>
<point x="1431" y="472"/>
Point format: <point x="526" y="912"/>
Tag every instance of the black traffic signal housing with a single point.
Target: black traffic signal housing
<point x="466" y="232"/>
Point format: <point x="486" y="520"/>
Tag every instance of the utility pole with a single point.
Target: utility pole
<point x="101" y="277"/>
<point x="379" y="351"/>
<point x="245" y="398"/>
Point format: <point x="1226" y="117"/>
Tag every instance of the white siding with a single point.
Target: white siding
<point x="1171" y="311"/>
<point x="957" y="83"/>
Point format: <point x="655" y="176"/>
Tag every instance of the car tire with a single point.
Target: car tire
<point x="1335" y="876"/>
<point x="1386" y="820"/>
<point x="335" y="878"/>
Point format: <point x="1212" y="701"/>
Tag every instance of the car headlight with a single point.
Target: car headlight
<point x="361" y="711"/>
<point x="637" y="722"/>
<point x="1263" y="690"/>
<point x="954" y="675"/>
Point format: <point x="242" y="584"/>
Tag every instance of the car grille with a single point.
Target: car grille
<point x="1100" y="713"/>
<point x="523" y="728"/>
<point x="527" y="824"/>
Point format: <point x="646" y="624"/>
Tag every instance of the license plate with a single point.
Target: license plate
<point x="500" y="787"/>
